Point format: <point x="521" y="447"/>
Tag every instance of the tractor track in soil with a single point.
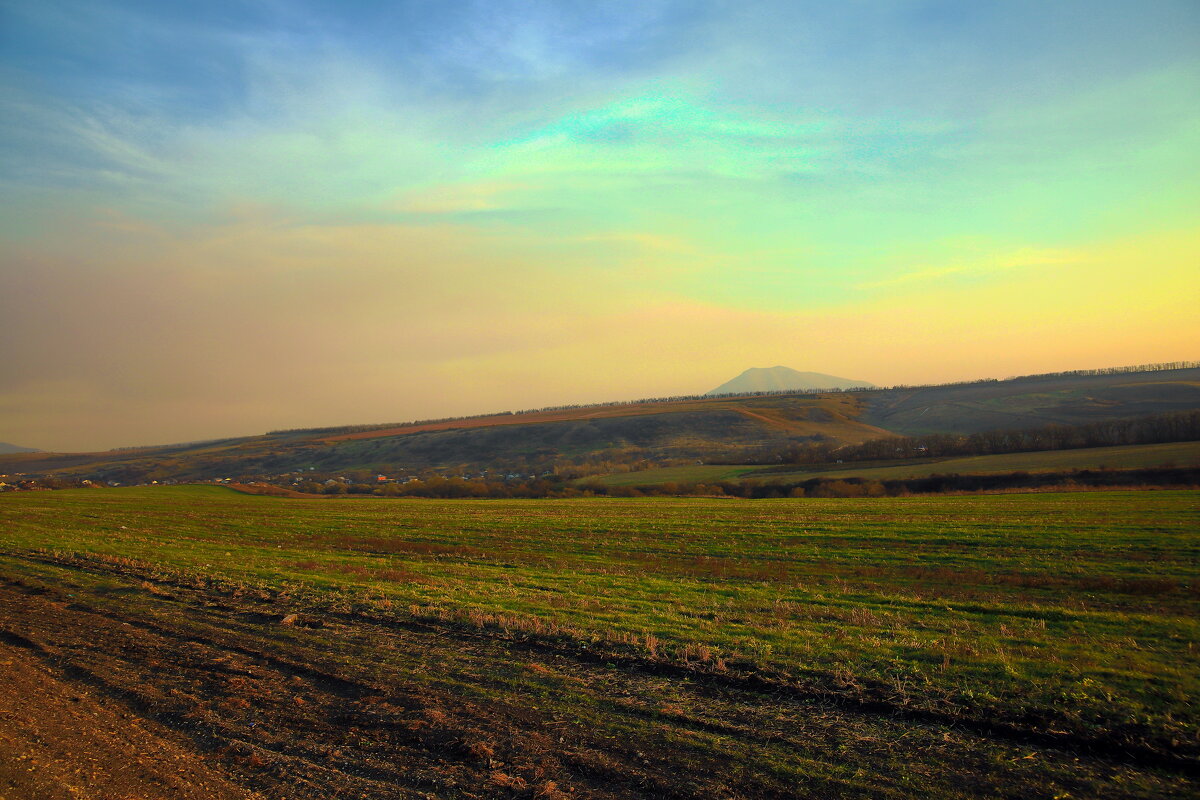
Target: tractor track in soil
<point x="363" y="707"/>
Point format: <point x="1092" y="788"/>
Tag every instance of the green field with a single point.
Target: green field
<point x="697" y="473"/>
<point x="1127" y="457"/>
<point x="1043" y="623"/>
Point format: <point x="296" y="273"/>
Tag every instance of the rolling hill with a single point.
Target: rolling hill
<point x="1030" y="402"/>
<point x="1126" y="457"/>
<point x="642" y="434"/>
<point x="654" y="432"/>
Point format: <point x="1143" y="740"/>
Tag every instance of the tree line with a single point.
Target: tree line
<point x="1165" y="477"/>
<point x="1180" y="426"/>
<point x="822" y="487"/>
<point x="826" y="487"/>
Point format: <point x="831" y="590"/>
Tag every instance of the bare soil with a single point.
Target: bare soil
<point x="66" y="739"/>
<point x="128" y="689"/>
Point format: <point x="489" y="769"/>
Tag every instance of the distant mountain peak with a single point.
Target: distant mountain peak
<point x="785" y="379"/>
<point x="7" y="448"/>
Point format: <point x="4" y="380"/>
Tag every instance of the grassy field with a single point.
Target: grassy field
<point x="696" y="473"/>
<point x="1127" y="457"/>
<point x="1042" y="642"/>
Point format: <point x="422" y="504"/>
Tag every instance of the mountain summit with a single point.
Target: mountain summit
<point x="776" y="379"/>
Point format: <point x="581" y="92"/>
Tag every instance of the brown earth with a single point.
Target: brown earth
<point x="269" y="490"/>
<point x="120" y="687"/>
<point x="61" y="739"/>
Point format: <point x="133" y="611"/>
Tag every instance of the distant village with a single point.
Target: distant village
<point x="303" y="481"/>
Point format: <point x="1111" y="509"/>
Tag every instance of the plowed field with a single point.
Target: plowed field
<point x="197" y="674"/>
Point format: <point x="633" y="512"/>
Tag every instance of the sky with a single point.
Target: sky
<point x="222" y="218"/>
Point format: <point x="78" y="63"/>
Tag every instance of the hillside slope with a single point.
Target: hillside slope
<point x="643" y="433"/>
<point x="1031" y="402"/>
<point x="656" y="432"/>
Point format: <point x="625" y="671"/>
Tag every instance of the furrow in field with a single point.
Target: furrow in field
<point x="630" y="689"/>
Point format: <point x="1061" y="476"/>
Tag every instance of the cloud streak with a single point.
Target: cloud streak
<point x="988" y="266"/>
<point x="345" y="213"/>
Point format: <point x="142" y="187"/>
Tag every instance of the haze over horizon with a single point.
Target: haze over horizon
<point x="235" y="217"/>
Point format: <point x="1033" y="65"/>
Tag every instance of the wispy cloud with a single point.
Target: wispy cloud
<point x="987" y="266"/>
<point x="332" y="207"/>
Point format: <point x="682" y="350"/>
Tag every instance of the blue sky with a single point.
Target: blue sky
<point x="508" y="200"/>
